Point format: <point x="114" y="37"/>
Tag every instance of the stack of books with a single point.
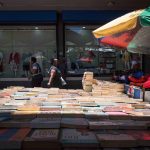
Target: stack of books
<point x="103" y="88"/>
<point x="87" y="81"/>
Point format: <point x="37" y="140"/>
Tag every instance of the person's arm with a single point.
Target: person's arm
<point x="52" y="75"/>
<point x="33" y="69"/>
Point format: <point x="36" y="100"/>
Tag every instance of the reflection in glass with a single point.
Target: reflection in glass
<point x="19" y="43"/>
<point x="84" y="52"/>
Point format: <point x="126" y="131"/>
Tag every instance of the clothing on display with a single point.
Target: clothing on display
<point x="126" y="57"/>
<point x="14" y="61"/>
<point x="26" y="63"/>
<point x="89" y="58"/>
<point x="14" y="56"/>
<point x="39" y="56"/>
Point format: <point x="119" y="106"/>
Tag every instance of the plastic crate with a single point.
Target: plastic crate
<point x="138" y="93"/>
<point x="126" y="88"/>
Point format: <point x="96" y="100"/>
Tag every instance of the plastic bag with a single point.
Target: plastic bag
<point x="63" y="82"/>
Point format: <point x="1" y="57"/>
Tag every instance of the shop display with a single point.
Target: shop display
<point x="107" y="62"/>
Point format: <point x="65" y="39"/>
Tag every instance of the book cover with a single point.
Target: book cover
<point x="45" y="134"/>
<point x="78" y="138"/>
<point x="42" y="139"/>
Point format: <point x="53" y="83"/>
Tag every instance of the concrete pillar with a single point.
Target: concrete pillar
<point x="60" y="34"/>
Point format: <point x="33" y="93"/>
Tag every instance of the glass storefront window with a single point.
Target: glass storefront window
<point x="19" y="43"/>
<point x="84" y="53"/>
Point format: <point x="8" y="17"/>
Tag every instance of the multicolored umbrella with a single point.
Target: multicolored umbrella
<point x="131" y="31"/>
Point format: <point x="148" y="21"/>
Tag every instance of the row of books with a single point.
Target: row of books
<point x="27" y="139"/>
<point x="76" y="123"/>
<point x="107" y="88"/>
<point x="38" y="118"/>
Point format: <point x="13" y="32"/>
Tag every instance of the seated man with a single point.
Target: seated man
<point x="121" y="76"/>
<point x="137" y="76"/>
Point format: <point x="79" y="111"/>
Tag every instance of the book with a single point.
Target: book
<point x="78" y="138"/>
<point x="50" y="108"/>
<point x="42" y="139"/>
<point x="72" y="114"/>
<point x="74" y="123"/>
<point x="46" y="123"/>
<point x="29" y="107"/>
<point x="118" y="115"/>
<point x="103" y="124"/>
<point x="52" y="103"/>
<point x="132" y="125"/>
<point x="15" y="103"/>
<point x="96" y="114"/>
<point x="49" y="114"/>
<point x="12" y="123"/>
<point x="4" y="118"/>
<point x="142" y="136"/>
<point x="24" y="114"/>
<point x="45" y="134"/>
<point x="12" y="138"/>
<point x="116" y="140"/>
<point x="8" y="107"/>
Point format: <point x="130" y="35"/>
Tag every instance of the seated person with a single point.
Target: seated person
<point x="137" y="76"/>
<point x="146" y="84"/>
<point x="121" y="76"/>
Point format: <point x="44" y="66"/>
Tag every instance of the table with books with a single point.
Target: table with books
<point x="61" y="119"/>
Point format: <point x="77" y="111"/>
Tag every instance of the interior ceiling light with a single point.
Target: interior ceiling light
<point x="111" y="3"/>
<point x="36" y="28"/>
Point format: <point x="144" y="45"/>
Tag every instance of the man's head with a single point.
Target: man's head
<point x="54" y="61"/>
<point x="33" y="59"/>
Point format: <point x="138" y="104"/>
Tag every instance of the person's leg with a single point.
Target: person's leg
<point x="33" y="82"/>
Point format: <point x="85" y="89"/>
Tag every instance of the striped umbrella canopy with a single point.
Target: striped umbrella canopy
<point x="131" y="31"/>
